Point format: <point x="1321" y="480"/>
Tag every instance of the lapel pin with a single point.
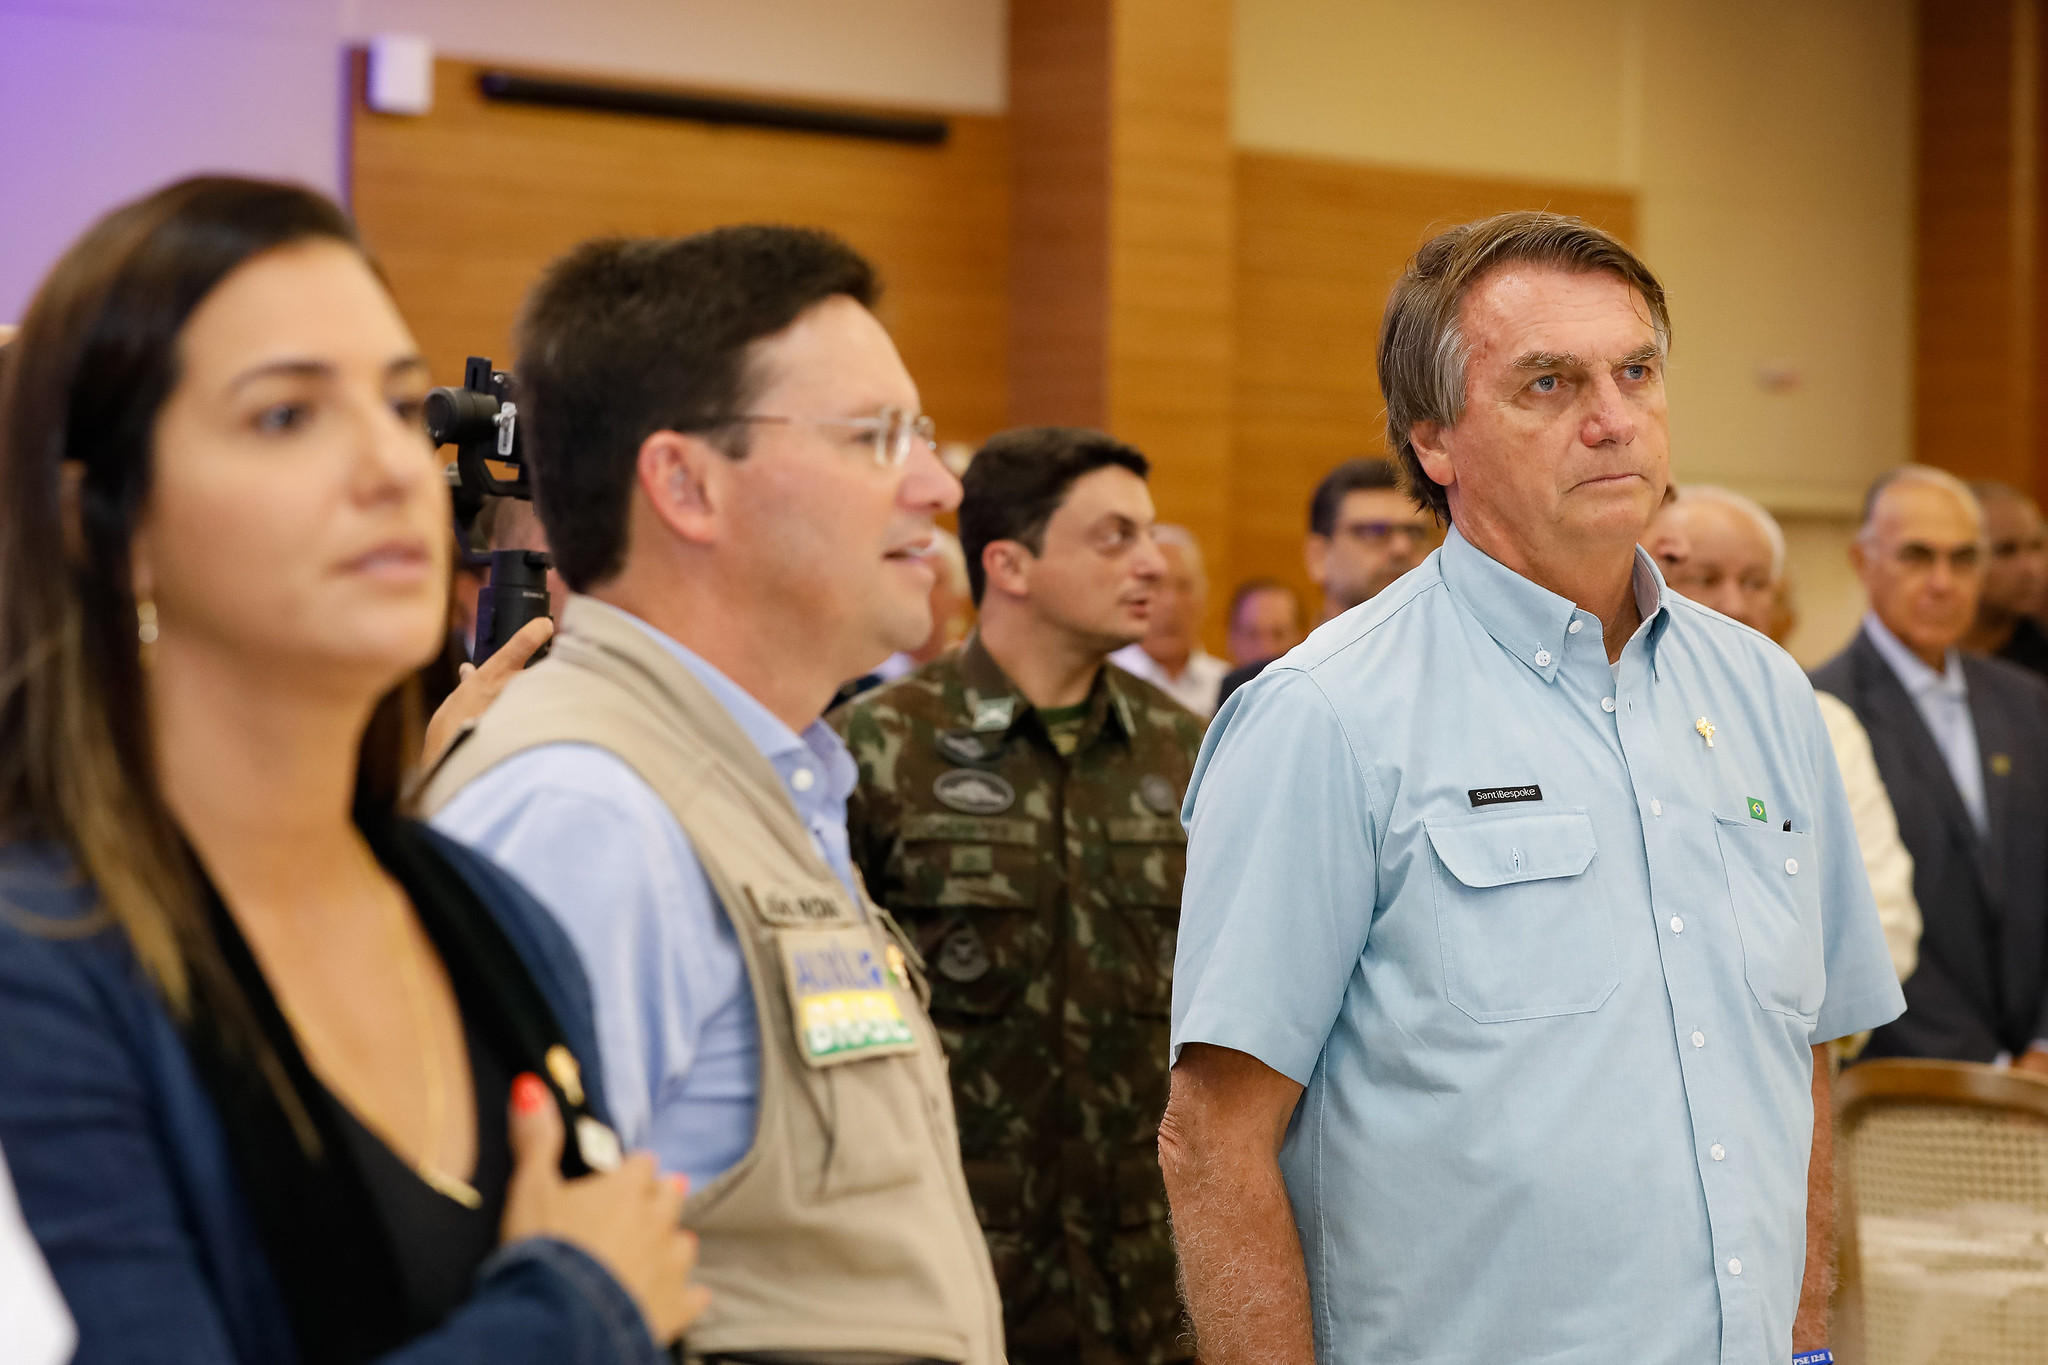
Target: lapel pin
<point x="2001" y="765"/>
<point x="1706" y="729"/>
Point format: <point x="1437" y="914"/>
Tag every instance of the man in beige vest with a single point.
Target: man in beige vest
<point x="737" y="485"/>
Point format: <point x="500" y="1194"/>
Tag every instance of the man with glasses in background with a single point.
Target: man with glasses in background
<point x="738" y="489"/>
<point x="1019" y="811"/>
<point x="1962" y="745"/>
<point x="1363" y="533"/>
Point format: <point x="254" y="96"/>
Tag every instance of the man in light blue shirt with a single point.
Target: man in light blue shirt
<point x="1519" y="899"/>
<point x="597" y="846"/>
<point x="796" y="579"/>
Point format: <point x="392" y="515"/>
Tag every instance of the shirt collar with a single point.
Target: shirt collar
<point x="995" y="705"/>
<point x="1912" y="671"/>
<point x="1530" y="621"/>
<point x="817" y="752"/>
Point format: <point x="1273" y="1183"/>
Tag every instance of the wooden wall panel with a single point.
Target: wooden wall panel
<point x="1978" y="352"/>
<point x="465" y="206"/>
<point x="1171" y="267"/>
<point x="1319" y="244"/>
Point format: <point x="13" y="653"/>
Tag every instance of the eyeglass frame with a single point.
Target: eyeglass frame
<point x="890" y="431"/>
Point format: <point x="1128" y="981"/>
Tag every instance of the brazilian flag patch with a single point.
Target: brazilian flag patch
<point x="1756" y="810"/>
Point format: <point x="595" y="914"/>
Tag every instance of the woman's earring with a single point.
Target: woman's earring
<point x="145" y="622"/>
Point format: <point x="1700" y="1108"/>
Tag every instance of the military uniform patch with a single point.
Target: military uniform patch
<point x="1159" y="794"/>
<point x="974" y="793"/>
<point x="963" y="957"/>
<point x="963" y="746"/>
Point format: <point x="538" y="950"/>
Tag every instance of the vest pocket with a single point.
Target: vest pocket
<point x="1774" y="890"/>
<point x="1522" y="932"/>
<point x="873" y="1116"/>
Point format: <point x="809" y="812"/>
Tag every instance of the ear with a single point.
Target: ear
<point x="1315" y="557"/>
<point x="687" y="483"/>
<point x="1006" y="565"/>
<point x="1859" y="557"/>
<point x="1433" y="452"/>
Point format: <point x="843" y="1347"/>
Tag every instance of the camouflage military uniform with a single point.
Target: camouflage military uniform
<point x="1044" y="892"/>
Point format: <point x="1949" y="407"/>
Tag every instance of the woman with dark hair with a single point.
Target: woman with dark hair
<point x="283" y="1075"/>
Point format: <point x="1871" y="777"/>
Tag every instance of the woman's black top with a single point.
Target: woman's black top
<point x="367" y="1255"/>
<point x="438" y="1241"/>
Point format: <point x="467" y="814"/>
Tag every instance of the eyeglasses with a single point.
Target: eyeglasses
<point x="891" y="434"/>
<point x="1377" y="533"/>
<point x="1917" y="558"/>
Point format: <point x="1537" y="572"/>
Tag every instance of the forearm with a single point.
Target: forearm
<point x="1240" y="1254"/>
<point x="1810" y="1328"/>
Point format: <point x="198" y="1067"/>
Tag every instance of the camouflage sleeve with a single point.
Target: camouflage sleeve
<point x="866" y="831"/>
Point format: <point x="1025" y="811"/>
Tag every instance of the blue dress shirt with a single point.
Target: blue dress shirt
<point x="599" y="849"/>
<point x="1548" y="964"/>
<point x="1943" y="701"/>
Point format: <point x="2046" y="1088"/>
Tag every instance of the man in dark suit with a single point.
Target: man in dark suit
<point x="1962" y="744"/>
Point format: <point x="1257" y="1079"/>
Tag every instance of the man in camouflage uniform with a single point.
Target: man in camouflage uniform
<point x="1019" y="811"/>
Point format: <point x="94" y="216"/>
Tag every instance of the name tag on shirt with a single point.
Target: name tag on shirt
<point x="840" y="997"/>
<point x="799" y="907"/>
<point x="1502" y="796"/>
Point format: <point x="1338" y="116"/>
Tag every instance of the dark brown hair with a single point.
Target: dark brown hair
<point x="1423" y="349"/>
<point x="624" y="337"/>
<point x="96" y="358"/>
<point x="1019" y="478"/>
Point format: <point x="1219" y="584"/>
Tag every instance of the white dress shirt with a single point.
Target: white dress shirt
<point x="1196" y="687"/>
<point x="1943" y="701"/>
<point x="1885" y="859"/>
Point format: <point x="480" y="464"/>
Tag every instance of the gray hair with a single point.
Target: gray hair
<point x="1749" y="507"/>
<point x="1423" y="351"/>
<point x="1182" y="539"/>
<point x="1917" y="473"/>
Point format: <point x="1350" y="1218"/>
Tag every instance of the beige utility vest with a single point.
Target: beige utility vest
<point x="846" y="1227"/>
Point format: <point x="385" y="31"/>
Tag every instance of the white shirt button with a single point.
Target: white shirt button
<point x="1677" y="925"/>
<point x="1543" y="658"/>
<point x="802" y="779"/>
<point x="1698" y="1039"/>
<point x="1607" y="703"/>
<point x="1734" y="1265"/>
<point x="1574" y="627"/>
<point x="1791" y="867"/>
<point x="1656" y="808"/>
<point x="1717" y="1151"/>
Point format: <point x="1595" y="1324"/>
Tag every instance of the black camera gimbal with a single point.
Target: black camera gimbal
<point x="481" y="421"/>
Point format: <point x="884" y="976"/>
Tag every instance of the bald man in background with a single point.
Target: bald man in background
<point x="1962" y="744"/>
<point x="1724" y="551"/>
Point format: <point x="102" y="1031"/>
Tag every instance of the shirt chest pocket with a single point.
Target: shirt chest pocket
<point x="1523" y="933"/>
<point x="1774" y="891"/>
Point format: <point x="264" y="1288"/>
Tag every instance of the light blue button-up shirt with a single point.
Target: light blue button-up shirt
<point x="598" y="848"/>
<point x="1548" y="964"/>
<point x="1943" y="701"/>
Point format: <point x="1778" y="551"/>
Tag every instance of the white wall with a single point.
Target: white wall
<point x="1770" y="147"/>
<point x="101" y="100"/>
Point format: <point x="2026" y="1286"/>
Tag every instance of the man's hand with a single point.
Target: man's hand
<point x="2034" y="1059"/>
<point x="1240" y="1252"/>
<point x="481" y="686"/>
